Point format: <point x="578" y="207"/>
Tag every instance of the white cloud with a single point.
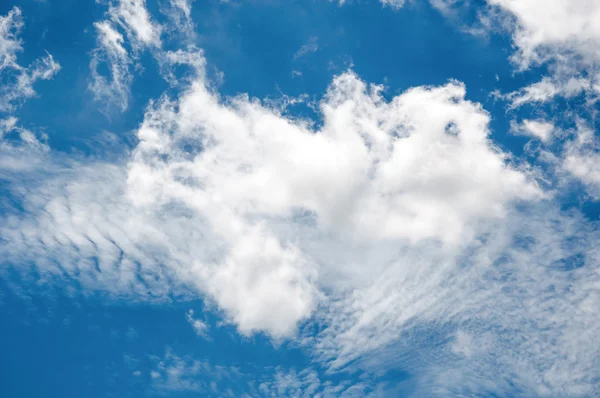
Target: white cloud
<point x="582" y="159"/>
<point x="135" y="19"/>
<point x="175" y="373"/>
<point x="395" y="4"/>
<point x="548" y="89"/>
<point x="547" y="29"/>
<point x="111" y="51"/>
<point x="560" y="34"/>
<point x="558" y="30"/>
<point x="539" y="129"/>
<point x="18" y="81"/>
<point x="307" y="383"/>
<point x="10" y="44"/>
<point x="310" y="47"/>
<point x="132" y="17"/>
<point x="200" y="328"/>
<point x="394" y="224"/>
<point x="179" y="13"/>
<point x="241" y="178"/>
<point x="513" y="311"/>
<point x="15" y="138"/>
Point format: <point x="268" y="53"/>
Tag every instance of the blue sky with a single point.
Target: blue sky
<point x="299" y="198"/>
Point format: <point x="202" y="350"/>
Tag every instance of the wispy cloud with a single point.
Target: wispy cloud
<point x="133" y="19"/>
<point x="17" y="80"/>
<point x="200" y="328"/>
<point x="310" y="47"/>
<point x="110" y="50"/>
<point x="179" y="13"/>
<point x="174" y="373"/>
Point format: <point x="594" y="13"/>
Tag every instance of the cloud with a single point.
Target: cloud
<point x="394" y="4"/>
<point x="179" y="13"/>
<point x="562" y="36"/>
<point x="200" y="328"/>
<point x="546" y="90"/>
<point x="216" y="193"/>
<point x="545" y="30"/>
<point x="513" y="312"/>
<point x="175" y="373"/>
<point x="561" y="31"/>
<point x="310" y="47"/>
<point x="308" y="383"/>
<point x="110" y="50"/>
<point x="582" y="159"/>
<point x="10" y="45"/>
<point x="132" y="17"/>
<point x="27" y="139"/>
<point x="396" y="228"/>
<point x="539" y="129"/>
<point x="559" y="35"/>
<point x="18" y="81"/>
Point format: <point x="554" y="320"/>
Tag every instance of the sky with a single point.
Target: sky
<point x="300" y="198"/>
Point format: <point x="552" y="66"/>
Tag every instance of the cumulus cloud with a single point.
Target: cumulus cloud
<point x="545" y="30"/>
<point x="560" y="35"/>
<point x="239" y="178"/>
<point x="18" y="81"/>
<point x="561" y="31"/>
<point x="563" y="36"/>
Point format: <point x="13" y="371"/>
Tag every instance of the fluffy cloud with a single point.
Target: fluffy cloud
<point x="228" y="196"/>
<point x="542" y="31"/>
<point x="546" y="30"/>
<point x="561" y="35"/>
<point x="401" y="211"/>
